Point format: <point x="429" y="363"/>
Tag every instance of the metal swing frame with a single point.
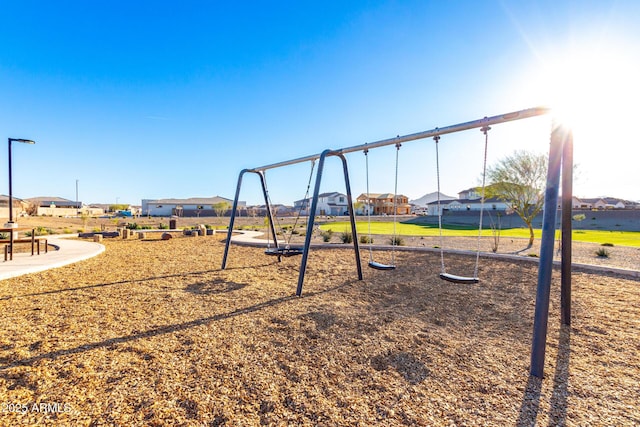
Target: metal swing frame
<point x="560" y="159"/>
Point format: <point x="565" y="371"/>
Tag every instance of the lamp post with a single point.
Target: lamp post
<point x="25" y="141"/>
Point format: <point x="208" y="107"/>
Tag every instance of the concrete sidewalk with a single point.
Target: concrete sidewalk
<point x="68" y="251"/>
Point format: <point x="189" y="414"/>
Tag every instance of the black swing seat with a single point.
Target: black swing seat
<point x="286" y="252"/>
<point x="458" y="279"/>
<point x="379" y="266"/>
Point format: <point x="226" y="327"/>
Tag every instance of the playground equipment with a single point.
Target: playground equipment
<point x="372" y="263"/>
<point x="560" y="158"/>
<point x="443" y="271"/>
<point x="287" y="250"/>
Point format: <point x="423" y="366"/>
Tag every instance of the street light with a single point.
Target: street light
<point x="25" y="141"/>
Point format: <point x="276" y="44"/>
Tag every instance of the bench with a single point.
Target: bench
<point x="35" y="242"/>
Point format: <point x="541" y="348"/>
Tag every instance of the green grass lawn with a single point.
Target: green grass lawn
<point x="618" y="238"/>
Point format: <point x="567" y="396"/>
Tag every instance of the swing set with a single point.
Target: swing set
<point x="560" y="159"/>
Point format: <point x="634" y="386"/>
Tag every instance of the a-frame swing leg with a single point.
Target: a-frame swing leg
<point x="312" y="211"/>
<point x="234" y="209"/>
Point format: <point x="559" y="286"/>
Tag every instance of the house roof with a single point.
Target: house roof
<point x="468" y="201"/>
<point x="48" y="198"/>
<point x="190" y="201"/>
<point x="430" y="197"/>
<point x="331" y="194"/>
<point x="6" y="198"/>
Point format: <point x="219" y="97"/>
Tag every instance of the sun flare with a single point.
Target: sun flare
<point x="588" y="91"/>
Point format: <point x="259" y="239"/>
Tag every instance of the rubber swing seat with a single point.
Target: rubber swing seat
<point x="458" y="279"/>
<point x="379" y="266"/>
<point x="286" y="252"/>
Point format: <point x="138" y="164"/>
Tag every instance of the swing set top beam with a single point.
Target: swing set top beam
<point x="487" y="121"/>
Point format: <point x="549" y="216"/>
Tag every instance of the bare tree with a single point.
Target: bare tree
<point x="519" y="181"/>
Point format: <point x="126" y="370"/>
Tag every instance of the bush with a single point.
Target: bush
<point x="602" y="253"/>
<point x="396" y="241"/>
<point x="163" y="226"/>
<point x="41" y="231"/>
<point x="366" y="240"/>
<point x="326" y="235"/>
<point x="346" y="237"/>
<point x="607" y="244"/>
<point x="133" y="226"/>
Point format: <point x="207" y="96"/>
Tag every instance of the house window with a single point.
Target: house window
<point x="158" y="206"/>
<point x="341" y="199"/>
<point x="494" y="207"/>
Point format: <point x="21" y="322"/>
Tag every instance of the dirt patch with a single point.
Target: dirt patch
<point x="152" y="332"/>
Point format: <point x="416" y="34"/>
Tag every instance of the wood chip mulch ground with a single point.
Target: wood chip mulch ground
<point x="152" y="332"/>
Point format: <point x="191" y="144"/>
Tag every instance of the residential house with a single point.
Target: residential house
<point x="383" y="204"/>
<point x="420" y="206"/>
<point x="602" y="203"/>
<point x="333" y="203"/>
<point x="468" y="200"/>
<point x="191" y="207"/>
<point x="20" y="207"/>
<point x="59" y="206"/>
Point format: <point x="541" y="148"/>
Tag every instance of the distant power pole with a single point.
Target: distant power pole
<point x="77" y="193"/>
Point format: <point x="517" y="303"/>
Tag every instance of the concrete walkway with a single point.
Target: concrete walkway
<point x="68" y="251"/>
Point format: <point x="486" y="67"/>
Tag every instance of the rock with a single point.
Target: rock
<point x="166" y="236"/>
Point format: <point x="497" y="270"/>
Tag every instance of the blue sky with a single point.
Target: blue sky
<point x="172" y="99"/>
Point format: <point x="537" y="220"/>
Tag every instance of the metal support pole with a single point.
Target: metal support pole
<point x="263" y="183"/>
<point x="567" y="206"/>
<point x="265" y="193"/>
<point x="312" y="212"/>
<point x="10" y="190"/>
<point x="232" y="219"/>
<point x="545" y="267"/>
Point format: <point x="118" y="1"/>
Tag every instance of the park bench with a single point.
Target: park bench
<point x="12" y="240"/>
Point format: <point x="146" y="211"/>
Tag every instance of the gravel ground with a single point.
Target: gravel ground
<point x="152" y="332"/>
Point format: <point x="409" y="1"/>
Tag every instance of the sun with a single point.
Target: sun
<point x="595" y="93"/>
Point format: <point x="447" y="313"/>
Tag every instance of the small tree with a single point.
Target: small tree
<point x="220" y="208"/>
<point x="519" y="181"/>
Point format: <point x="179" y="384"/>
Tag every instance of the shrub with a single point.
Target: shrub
<point x="326" y="235"/>
<point x="602" y="253"/>
<point x="67" y="231"/>
<point x="607" y="244"/>
<point x="41" y="231"/>
<point x="532" y="255"/>
<point x="4" y="236"/>
<point x="346" y="237"/>
<point x="396" y="241"/>
<point x="133" y="226"/>
<point x="366" y="240"/>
